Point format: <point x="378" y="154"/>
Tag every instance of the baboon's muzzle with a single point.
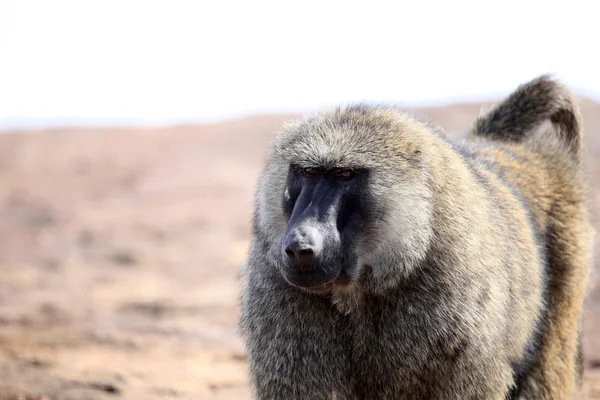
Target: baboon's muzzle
<point x="311" y="247"/>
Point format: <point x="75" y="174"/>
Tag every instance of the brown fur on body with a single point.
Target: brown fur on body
<point x="545" y="168"/>
<point x="473" y="261"/>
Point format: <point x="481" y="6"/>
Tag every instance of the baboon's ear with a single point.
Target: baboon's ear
<point x="541" y="109"/>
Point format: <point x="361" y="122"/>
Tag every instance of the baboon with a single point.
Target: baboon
<point x="389" y="261"/>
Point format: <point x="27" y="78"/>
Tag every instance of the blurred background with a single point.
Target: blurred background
<point x="132" y="134"/>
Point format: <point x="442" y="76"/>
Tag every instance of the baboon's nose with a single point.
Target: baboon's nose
<point x="304" y="256"/>
<point x="302" y="248"/>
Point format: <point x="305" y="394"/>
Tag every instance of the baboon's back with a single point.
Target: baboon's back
<point x="532" y="141"/>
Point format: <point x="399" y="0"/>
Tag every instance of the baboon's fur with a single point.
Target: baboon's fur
<point x="472" y="273"/>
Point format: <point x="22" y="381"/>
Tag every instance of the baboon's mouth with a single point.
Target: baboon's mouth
<point x="323" y="289"/>
<point x="342" y="281"/>
<point x="311" y="280"/>
<point x="324" y="279"/>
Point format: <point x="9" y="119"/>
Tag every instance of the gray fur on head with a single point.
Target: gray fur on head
<point x="400" y="186"/>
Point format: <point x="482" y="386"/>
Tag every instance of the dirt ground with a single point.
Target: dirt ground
<point x="119" y="254"/>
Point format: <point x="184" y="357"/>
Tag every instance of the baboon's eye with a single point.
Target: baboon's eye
<point x="312" y="171"/>
<point x="343" y="173"/>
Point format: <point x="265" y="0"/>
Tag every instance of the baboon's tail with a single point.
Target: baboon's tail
<point x="532" y="104"/>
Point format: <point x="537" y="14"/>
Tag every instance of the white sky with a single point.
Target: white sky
<point x="160" y="62"/>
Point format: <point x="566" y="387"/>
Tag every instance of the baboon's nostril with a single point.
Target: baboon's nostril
<point x="304" y="252"/>
<point x="299" y="253"/>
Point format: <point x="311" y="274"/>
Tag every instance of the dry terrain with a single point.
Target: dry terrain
<point x="120" y="248"/>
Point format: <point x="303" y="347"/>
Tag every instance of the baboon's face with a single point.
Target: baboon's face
<point x="345" y="200"/>
<point x="324" y="207"/>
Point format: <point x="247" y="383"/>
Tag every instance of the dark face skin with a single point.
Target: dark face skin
<point x="323" y="207"/>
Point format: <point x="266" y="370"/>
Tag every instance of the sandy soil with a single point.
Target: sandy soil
<point x="119" y="254"/>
